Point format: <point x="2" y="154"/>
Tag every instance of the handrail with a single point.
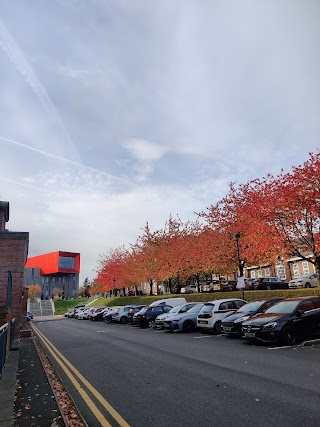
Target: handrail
<point x="4" y="328"/>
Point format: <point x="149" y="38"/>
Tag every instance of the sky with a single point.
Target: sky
<point x="118" y="112"/>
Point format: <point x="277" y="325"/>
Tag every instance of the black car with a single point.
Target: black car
<point x="269" y="283"/>
<point x="285" y="322"/>
<point x="147" y="315"/>
<point x="232" y="324"/>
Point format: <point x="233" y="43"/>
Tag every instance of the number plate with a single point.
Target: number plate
<point x="227" y="329"/>
<point x="249" y="334"/>
<point x="203" y="321"/>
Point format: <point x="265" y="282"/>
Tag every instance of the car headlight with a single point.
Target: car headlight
<point x="269" y="326"/>
<point x="241" y="319"/>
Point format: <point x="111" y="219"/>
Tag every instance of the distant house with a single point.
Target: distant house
<point x="53" y="271"/>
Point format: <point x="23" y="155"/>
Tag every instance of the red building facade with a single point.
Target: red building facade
<point x="53" y="272"/>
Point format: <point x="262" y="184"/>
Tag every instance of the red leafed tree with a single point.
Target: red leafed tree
<point x="294" y="210"/>
<point x="111" y="272"/>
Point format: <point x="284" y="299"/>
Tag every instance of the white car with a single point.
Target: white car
<point x="190" y="289"/>
<point x="213" y="312"/>
<point x="305" y="281"/>
<point x="179" y="309"/>
<point x="120" y="314"/>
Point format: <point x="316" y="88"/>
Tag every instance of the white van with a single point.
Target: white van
<point x="173" y="302"/>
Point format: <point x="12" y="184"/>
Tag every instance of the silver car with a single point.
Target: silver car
<point x="179" y="309"/>
<point x="184" y="322"/>
<point x="305" y="281"/>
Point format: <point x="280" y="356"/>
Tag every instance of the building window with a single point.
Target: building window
<point x="295" y="268"/>
<point x="253" y="274"/>
<point x="267" y="272"/>
<point x="281" y="272"/>
<point x="260" y="273"/>
<point x="66" y="262"/>
<point x="305" y="267"/>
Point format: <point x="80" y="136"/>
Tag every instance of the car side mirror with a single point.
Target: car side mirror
<point x="300" y="313"/>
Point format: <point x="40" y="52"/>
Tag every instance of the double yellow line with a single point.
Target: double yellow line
<point x="65" y="364"/>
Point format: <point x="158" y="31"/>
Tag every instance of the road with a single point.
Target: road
<point x="154" y="378"/>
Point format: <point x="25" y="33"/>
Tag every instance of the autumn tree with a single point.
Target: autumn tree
<point x="56" y="292"/>
<point x="34" y="291"/>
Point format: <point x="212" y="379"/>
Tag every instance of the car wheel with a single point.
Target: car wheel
<point x="188" y="326"/>
<point x="287" y="336"/>
<point x="307" y="285"/>
<point x="217" y="328"/>
<point x="268" y="287"/>
<point x="123" y="320"/>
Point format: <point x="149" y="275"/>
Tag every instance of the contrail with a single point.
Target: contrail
<point x="17" y="57"/>
<point x="67" y="160"/>
<point x="27" y="185"/>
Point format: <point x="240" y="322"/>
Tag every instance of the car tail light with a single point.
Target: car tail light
<point x="210" y="314"/>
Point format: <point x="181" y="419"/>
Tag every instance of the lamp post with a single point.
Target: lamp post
<point x="240" y="265"/>
<point x="114" y="287"/>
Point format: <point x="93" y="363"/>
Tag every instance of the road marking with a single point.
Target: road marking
<point x="101" y="399"/>
<point x="76" y="384"/>
<point x="204" y="336"/>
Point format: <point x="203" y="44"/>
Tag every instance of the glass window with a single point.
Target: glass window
<point x="252" y="306"/>
<point x="283" y="307"/>
<point x="295" y="268"/>
<point x="196" y="308"/>
<point x="267" y="272"/>
<point x="66" y="262"/>
<point x="252" y="274"/>
<point x="281" y="272"/>
<point x="260" y="273"/>
<point x="306" y="305"/>
<point x="207" y="308"/>
<point x="305" y="267"/>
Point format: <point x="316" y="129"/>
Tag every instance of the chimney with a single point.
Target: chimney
<point x="4" y="215"/>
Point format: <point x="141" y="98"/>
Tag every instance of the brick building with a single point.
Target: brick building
<point x="54" y="271"/>
<point x="13" y="256"/>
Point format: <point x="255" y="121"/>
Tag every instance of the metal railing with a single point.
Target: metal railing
<point x="3" y="346"/>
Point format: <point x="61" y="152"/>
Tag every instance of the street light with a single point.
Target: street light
<point x="114" y="287"/>
<point x="240" y="265"/>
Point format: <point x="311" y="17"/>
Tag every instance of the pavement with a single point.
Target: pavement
<point x="26" y="396"/>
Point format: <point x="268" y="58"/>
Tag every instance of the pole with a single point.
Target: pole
<point x="240" y="264"/>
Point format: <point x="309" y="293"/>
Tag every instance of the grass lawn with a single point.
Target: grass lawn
<point x="63" y="306"/>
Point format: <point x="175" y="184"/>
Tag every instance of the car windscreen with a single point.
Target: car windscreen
<point x="196" y="308"/>
<point x="252" y="306"/>
<point x="176" y="308"/>
<point x="143" y="310"/>
<point x="283" y="307"/>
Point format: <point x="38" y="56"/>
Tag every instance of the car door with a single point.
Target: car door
<point x="304" y="320"/>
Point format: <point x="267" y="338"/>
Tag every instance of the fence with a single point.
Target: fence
<point x="3" y="346"/>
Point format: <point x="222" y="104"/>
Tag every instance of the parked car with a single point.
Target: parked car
<point x="147" y="315"/>
<point x="285" y="322"/>
<point x="179" y="309"/>
<point x="248" y="283"/>
<point x="97" y="315"/>
<point x="84" y="314"/>
<point x="190" y="289"/>
<point x="120" y="314"/>
<point x="209" y="286"/>
<point x="184" y="322"/>
<point x="169" y="301"/>
<point x="232" y="324"/>
<point x="78" y="312"/>
<point x="305" y="281"/>
<point x="269" y="283"/>
<point x="132" y="312"/>
<point x="107" y="315"/>
<point x="213" y="312"/>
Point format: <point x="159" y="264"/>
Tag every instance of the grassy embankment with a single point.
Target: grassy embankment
<point x="63" y="306"/>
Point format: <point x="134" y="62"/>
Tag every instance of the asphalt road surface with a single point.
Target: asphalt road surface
<point x="154" y="378"/>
